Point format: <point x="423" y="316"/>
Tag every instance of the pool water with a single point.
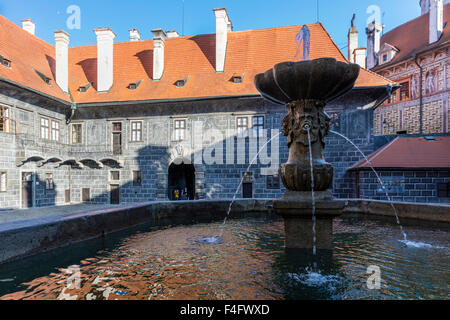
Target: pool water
<point x="247" y="262"/>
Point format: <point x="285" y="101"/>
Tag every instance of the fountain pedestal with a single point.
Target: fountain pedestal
<point x="305" y="87"/>
<point x="296" y="207"/>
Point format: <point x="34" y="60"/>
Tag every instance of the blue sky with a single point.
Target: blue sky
<point x="120" y="16"/>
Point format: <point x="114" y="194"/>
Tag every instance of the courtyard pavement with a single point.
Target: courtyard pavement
<point x="18" y="215"/>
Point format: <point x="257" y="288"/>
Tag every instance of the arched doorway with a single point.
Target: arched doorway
<point x="181" y="176"/>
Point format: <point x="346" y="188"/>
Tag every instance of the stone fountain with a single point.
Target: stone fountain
<point x="305" y="88"/>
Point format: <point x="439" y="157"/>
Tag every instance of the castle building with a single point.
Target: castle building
<point x="416" y="56"/>
<point x="413" y="159"/>
<point x="121" y="122"/>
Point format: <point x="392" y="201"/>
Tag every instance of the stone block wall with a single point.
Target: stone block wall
<point x="408" y="186"/>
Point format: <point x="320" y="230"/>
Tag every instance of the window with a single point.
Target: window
<point x="115" y="175"/>
<point x="242" y="127"/>
<point x="49" y="184"/>
<point x="134" y="85"/>
<point x="76" y="133"/>
<point x="180" y="130"/>
<point x="4" y="113"/>
<point x="136" y="131"/>
<point x="85" y="88"/>
<point x="385" y="57"/>
<point x="3" y="182"/>
<point x="55" y="130"/>
<point x="258" y="126"/>
<point x="137" y="178"/>
<point x="5" y="62"/>
<point x="117" y="126"/>
<point x="443" y="190"/>
<point x="45" y="128"/>
<point x="273" y="182"/>
<point x="404" y="91"/>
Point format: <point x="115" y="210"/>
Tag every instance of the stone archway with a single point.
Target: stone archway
<point x="181" y="177"/>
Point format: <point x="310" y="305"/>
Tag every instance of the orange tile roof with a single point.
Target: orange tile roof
<point x="248" y="53"/>
<point x="27" y="54"/>
<point x="413" y="37"/>
<point x="410" y="153"/>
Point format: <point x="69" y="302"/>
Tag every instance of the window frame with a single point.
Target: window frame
<point x="177" y="130"/>
<point x="49" y="181"/>
<point x="55" y="132"/>
<point x="273" y="186"/>
<point x="133" y="131"/>
<point x="80" y="141"/>
<point x="136" y="182"/>
<point x="111" y="178"/>
<point x="44" y="129"/>
<point x="241" y="128"/>
<point x="5" y="173"/>
<point x="260" y="126"/>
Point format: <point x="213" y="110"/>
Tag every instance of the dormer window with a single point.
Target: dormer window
<point x="181" y="83"/>
<point x="237" y="78"/>
<point x="134" y="85"/>
<point x="46" y="79"/>
<point x="5" y="62"/>
<point x="85" y="88"/>
<point x="387" y="53"/>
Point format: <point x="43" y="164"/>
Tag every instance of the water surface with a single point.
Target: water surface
<point x="247" y="262"/>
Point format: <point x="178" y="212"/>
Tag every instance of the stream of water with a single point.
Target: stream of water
<point x="379" y="180"/>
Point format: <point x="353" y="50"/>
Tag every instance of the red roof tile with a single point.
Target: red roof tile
<point x="410" y="153"/>
<point x="248" y="53"/>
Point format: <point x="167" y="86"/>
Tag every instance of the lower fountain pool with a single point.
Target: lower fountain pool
<point x="247" y="262"/>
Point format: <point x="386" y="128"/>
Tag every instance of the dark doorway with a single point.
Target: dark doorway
<point x="247" y="190"/>
<point x="67" y="195"/>
<point x="27" y="190"/>
<point x="180" y="177"/>
<point x="115" y="194"/>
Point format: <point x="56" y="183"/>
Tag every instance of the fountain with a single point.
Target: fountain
<point x="305" y="88"/>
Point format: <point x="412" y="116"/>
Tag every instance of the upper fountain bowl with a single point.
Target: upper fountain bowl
<point x="322" y="79"/>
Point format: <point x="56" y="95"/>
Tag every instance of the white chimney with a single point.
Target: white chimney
<point x="436" y="20"/>
<point x="352" y="41"/>
<point x="360" y="56"/>
<point x="424" y="6"/>
<point x="135" y="35"/>
<point x="223" y="26"/>
<point x="62" y="59"/>
<point x="172" y="34"/>
<point x="29" y="26"/>
<point x="373" y="32"/>
<point x="105" y="55"/>
<point x="158" y="53"/>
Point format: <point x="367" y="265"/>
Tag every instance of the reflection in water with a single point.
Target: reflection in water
<point x="247" y="262"/>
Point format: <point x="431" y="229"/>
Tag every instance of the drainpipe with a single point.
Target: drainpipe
<point x="421" y="92"/>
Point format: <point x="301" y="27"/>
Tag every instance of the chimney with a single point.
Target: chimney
<point x="29" y="26"/>
<point x="436" y="20"/>
<point x="105" y="55"/>
<point x="158" y="53"/>
<point x="424" y="6"/>
<point x="373" y="32"/>
<point x="172" y="34"/>
<point x="223" y="26"/>
<point x="359" y="55"/>
<point x="62" y="59"/>
<point x="135" y="35"/>
<point x="352" y="41"/>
